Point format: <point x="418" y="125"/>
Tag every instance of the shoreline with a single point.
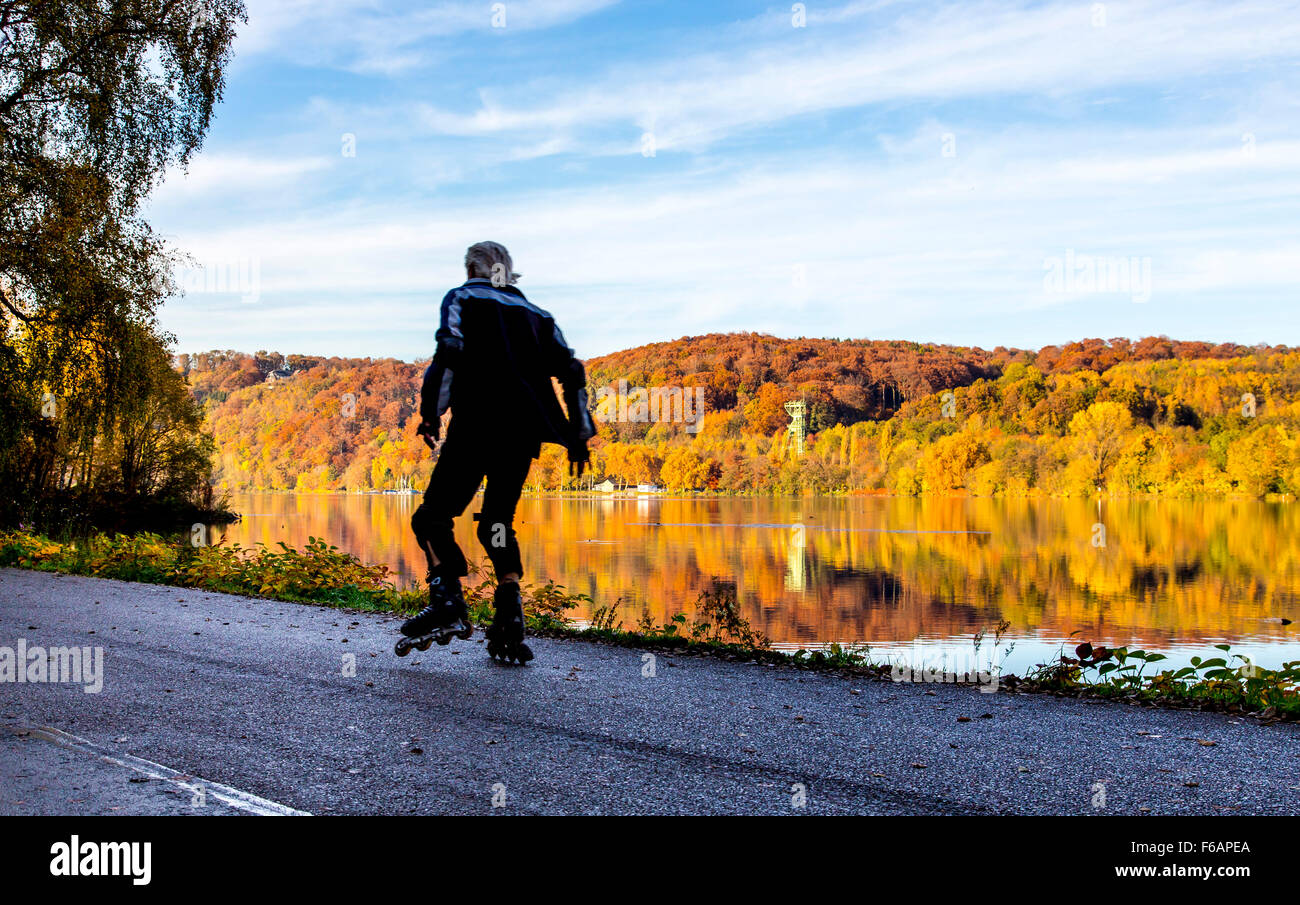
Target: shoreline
<point x="1217" y="683"/>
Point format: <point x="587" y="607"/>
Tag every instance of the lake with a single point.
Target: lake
<point x="913" y="578"/>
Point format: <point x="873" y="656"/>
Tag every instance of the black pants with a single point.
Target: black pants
<point x="467" y="457"/>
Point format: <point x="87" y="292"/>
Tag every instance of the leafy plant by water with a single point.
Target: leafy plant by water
<point x="1233" y="682"/>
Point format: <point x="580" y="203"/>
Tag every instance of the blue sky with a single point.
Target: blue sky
<point x="949" y="172"/>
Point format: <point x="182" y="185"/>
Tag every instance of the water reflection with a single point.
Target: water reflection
<point x="885" y="571"/>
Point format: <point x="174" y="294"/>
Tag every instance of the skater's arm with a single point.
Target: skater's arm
<point x="435" y="392"/>
<point x="450" y="339"/>
<point x="430" y="416"/>
<point x="566" y="366"/>
<point x="573" y="379"/>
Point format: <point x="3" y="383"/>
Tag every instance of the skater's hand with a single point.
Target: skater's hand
<point x="579" y="457"/>
<point x="429" y="433"/>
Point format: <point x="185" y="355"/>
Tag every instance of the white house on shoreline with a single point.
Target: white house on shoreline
<point x="608" y="486"/>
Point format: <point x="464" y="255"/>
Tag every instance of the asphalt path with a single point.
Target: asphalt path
<point x="218" y="704"/>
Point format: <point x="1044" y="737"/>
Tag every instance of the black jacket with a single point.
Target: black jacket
<point x="496" y="355"/>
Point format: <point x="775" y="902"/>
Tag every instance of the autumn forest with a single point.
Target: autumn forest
<point x="1153" y="416"/>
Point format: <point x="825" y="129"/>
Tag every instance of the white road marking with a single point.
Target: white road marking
<point x="235" y="798"/>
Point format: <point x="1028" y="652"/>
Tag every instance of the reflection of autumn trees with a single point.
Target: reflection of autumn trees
<point x="882" y="569"/>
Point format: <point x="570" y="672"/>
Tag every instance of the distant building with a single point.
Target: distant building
<point x="605" y="486"/>
<point x="649" y="488"/>
<point x="284" y="372"/>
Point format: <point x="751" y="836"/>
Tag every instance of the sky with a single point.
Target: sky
<point x="986" y="174"/>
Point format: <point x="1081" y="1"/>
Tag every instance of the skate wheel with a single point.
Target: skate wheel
<point x="402" y="648"/>
<point x="443" y="640"/>
<point x="423" y="645"/>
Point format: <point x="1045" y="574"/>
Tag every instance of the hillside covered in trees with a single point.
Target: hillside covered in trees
<point x="1152" y="416"/>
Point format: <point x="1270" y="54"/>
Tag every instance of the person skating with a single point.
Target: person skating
<point x="496" y="353"/>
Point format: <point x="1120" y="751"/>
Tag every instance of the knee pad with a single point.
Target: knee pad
<point x="421" y="523"/>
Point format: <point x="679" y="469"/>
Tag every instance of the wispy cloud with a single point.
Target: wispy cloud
<point x="389" y="38"/>
<point x="889" y="170"/>
<point x="855" y="251"/>
<point x="229" y="174"/>
<point x="958" y="51"/>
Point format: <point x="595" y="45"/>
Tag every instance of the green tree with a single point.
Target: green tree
<point x="97" y="99"/>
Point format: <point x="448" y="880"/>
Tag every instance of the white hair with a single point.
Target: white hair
<point x="491" y="261"/>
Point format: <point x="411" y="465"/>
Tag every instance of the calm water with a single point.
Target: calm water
<point x="911" y="578"/>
